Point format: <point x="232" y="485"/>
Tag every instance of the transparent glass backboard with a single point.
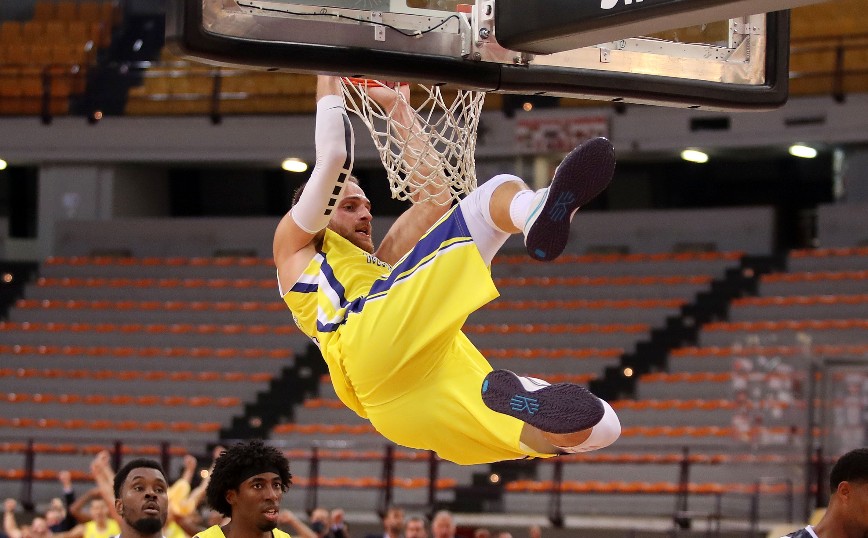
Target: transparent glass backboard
<point x="687" y="53"/>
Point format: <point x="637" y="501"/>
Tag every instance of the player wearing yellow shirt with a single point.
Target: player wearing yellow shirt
<point x="388" y="320"/>
<point x="141" y="499"/>
<point x="247" y="485"/>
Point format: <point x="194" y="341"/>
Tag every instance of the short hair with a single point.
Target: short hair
<point x="296" y="194"/>
<point x="415" y="519"/>
<point x="851" y="467"/>
<point x="393" y="508"/>
<point x="229" y="471"/>
<point x="124" y="472"/>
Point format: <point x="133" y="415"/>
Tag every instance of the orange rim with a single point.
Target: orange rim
<point x="368" y="82"/>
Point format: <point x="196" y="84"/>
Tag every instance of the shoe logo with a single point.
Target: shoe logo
<point x="560" y="209"/>
<point x="520" y="403"/>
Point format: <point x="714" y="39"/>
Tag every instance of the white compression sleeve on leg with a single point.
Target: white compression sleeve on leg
<point x="603" y="434"/>
<point x="334" y="164"/>
<point x="477" y="214"/>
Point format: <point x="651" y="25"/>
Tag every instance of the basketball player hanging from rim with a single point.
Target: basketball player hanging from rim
<point x="388" y="320"/>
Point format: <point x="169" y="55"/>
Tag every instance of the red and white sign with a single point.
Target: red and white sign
<point x="553" y="135"/>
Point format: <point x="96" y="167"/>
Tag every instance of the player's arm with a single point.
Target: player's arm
<point x="104" y="476"/>
<point x="429" y="203"/>
<point x="294" y="236"/>
<point x="10" y="526"/>
<point x="408" y="229"/>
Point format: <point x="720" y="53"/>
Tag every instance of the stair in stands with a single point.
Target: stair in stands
<point x="680" y="330"/>
<point x="287" y="390"/>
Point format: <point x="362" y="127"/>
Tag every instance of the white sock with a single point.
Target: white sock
<point x="603" y="434"/>
<point x="520" y="207"/>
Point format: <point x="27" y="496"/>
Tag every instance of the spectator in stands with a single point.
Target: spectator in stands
<point x="847" y="514"/>
<point x="38" y="528"/>
<point x="503" y="534"/>
<point x="300" y="529"/>
<point x="319" y="521"/>
<point x="141" y="499"/>
<point x="181" y="488"/>
<point x="247" y="485"/>
<point x="482" y="533"/>
<point x="535" y="531"/>
<point x="323" y="524"/>
<point x="393" y="523"/>
<point x="183" y="499"/>
<point x="443" y="525"/>
<point x="97" y="522"/>
<point x="415" y="528"/>
<point x="338" y="528"/>
<point x="58" y="516"/>
<point x="53" y="517"/>
<point x="103" y="476"/>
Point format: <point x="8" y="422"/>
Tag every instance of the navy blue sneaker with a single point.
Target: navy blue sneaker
<point x="558" y="408"/>
<point x="581" y="176"/>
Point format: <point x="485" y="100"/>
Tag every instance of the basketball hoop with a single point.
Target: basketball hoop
<point x="432" y="150"/>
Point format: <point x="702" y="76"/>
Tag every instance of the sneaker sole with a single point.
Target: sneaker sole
<point x="558" y="408"/>
<point x="581" y="176"/>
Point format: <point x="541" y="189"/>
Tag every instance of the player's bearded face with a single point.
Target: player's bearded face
<point x="352" y="218"/>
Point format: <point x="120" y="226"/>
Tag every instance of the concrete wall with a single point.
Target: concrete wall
<point x="842" y="225"/>
<point x="748" y="230"/>
<point x="116" y="168"/>
<point x="268" y="139"/>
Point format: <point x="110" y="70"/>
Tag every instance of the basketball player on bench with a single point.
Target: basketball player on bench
<point x="388" y="320"/>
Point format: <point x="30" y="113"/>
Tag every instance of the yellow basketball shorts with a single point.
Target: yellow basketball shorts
<point x="414" y="372"/>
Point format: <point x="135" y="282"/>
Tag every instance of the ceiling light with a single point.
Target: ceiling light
<point x="694" y="156"/>
<point x="294" y="164"/>
<point x="803" y="151"/>
<point x="3" y="164"/>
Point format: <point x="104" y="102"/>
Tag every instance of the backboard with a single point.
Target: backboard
<point x="686" y="53"/>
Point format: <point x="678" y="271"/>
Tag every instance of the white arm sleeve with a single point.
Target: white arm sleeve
<point x="334" y="164"/>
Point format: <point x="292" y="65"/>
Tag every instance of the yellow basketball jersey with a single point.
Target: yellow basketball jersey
<point x="332" y="287"/>
<point x="91" y="530"/>
<point x="217" y="532"/>
<point x="405" y="364"/>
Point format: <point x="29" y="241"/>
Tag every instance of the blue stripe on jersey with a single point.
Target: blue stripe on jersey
<point x="329" y="274"/>
<point x="450" y="232"/>
<point x="353" y="307"/>
<point x="339" y="290"/>
<point x="304" y="287"/>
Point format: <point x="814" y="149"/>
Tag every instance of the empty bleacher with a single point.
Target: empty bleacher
<point x="44" y="61"/>
<point x="107" y="367"/>
<point x="121" y="341"/>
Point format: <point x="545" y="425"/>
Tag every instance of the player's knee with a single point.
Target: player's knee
<point x="479" y="199"/>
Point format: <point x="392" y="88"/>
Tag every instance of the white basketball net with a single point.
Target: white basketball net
<point x="437" y="151"/>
